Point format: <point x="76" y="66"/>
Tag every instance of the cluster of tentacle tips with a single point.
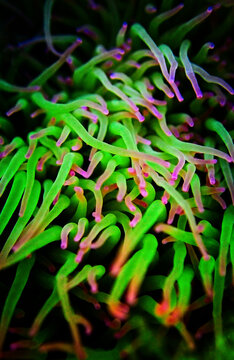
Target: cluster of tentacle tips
<point x="112" y="185"/>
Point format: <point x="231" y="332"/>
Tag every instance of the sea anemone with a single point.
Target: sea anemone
<point x="116" y="181"/>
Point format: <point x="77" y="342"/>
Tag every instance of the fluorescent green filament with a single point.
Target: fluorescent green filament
<point x="168" y="302"/>
<point x="217" y="305"/>
<point x="180" y="32"/>
<point x="12" y="200"/>
<point x="140" y="31"/>
<point x="185" y="288"/>
<point x="31" y="168"/>
<point x="47" y="17"/>
<point x="228" y="177"/>
<point x="162" y="17"/>
<point x="155" y="212"/>
<point x="39" y="241"/>
<point x="132" y="273"/>
<point x="22" y="221"/>
<point x="34" y="226"/>
<point x="206" y="269"/>
<point x="212" y="79"/>
<point x="225" y="238"/>
<point x="216" y="126"/>
<point x="20" y="280"/>
<point x="69" y="315"/>
<point x="12" y="168"/>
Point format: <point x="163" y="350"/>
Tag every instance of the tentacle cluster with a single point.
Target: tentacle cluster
<point x="110" y="177"/>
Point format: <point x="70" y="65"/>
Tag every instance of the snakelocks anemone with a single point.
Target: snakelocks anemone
<point x="116" y="180"/>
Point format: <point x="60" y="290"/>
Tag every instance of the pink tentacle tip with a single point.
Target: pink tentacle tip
<point x="34" y="136"/>
<point x="222" y="101"/>
<point x="14" y="346"/>
<point x="119" y="198"/>
<point x="126" y="47"/>
<point x="174" y="176"/>
<point x="96" y="216"/>
<point x="186" y="137"/>
<point x="121" y="51"/>
<point x="59" y="162"/>
<point x="125" y="25"/>
<point x="157" y="114"/>
<point x="170" y="220"/>
<point x="190" y="121"/>
<point x="164" y="200"/>
<point x="221" y="189"/>
<point x="97" y="306"/>
<point x="150" y="9"/>
<point x="88" y="330"/>
<point x="79" y="256"/>
<point x="78" y="237"/>
<point x="115" y="269"/>
<point x="105" y="111"/>
<point x="12" y="111"/>
<point x="209" y="9"/>
<point x="132" y="223"/>
<point x="63" y="246"/>
<point x="139" y="116"/>
<point x="162" y="308"/>
<point x="94" y="288"/>
<point x="78" y="41"/>
<point x="168" y="132"/>
<point x="94" y="118"/>
<point x="30" y="151"/>
<point x="158" y="228"/>
<point x="144" y="141"/>
<point x="132" y="171"/>
<point x="150" y="99"/>
<point x="206" y="256"/>
<point x="77" y="147"/>
<point x="143" y="192"/>
<point x="149" y="85"/>
<point x="212" y="180"/>
<point x="185" y="188"/>
<point x="199" y="94"/>
<point x="135" y="220"/>
<point x="200" y="228"/>
<point x="131" y="298"/>
<point x="97" y="186"/>
<point x="84" y="173"/>
<point x="78" y="189"/>
<point x="170" y="94"/>
<point x="120" y="311"/>
<point x="117" y="57"/>
<point x="56" y="199"/>
<point x="131" y="207"/>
